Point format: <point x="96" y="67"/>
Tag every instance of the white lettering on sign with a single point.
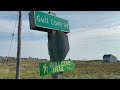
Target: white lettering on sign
<point x="68" y="63"/>
<point x="45" y="68"/>
<point x="55" y="23"/>
<point x="42" y="19"/>
<point x="51" y="64"/>
<point x="58" y="66"/>
<point x="58" y="69"/>
<point x="63" y="63"/>
<point x="65" y="25"/>
<point x="54" y="64"/>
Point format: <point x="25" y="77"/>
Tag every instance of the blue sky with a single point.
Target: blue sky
<point x="92" y="34"/>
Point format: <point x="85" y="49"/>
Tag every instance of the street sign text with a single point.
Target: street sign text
<point x="55" y="67"/>
<point x="44" y="22"/>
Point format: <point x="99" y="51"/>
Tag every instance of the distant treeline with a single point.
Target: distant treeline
<point x="14" y="58"/>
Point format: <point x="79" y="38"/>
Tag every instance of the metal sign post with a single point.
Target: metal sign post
<point x="57" y="28"/>
<point x="52" y="52"/>
<point x="58" y="48"/>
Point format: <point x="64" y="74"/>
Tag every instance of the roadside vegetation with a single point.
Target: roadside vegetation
<point x="95" y="69"/>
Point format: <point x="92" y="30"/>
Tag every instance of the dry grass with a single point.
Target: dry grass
<point x="95" y="70"/>
<point x="83" y="70"/>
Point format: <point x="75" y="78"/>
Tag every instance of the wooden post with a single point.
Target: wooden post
<point x="19" y="46"/>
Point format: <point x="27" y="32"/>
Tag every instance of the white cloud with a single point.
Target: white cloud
<point x="5" y="46"/>
<point x="35" y="49"/>
<point x="93" y="44"/>
<point x="8" y="13"/>
<point x="6" y="25"/>
<point x="85" y="42"/>
<point x="28" y="48"/>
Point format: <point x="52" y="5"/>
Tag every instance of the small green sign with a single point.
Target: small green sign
<point x="44" y="22"/>
<point x="55" y="67"/>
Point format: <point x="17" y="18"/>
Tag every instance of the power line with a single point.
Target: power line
<point x="12" y="36"/>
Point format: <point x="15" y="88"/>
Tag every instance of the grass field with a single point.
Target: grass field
<point x="83" y="70"/>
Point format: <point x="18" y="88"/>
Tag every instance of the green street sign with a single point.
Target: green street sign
<point x="55" y="67"/>
<point x="44" y="22"/>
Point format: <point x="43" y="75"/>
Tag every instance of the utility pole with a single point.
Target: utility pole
<point x="19" y="46"/>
